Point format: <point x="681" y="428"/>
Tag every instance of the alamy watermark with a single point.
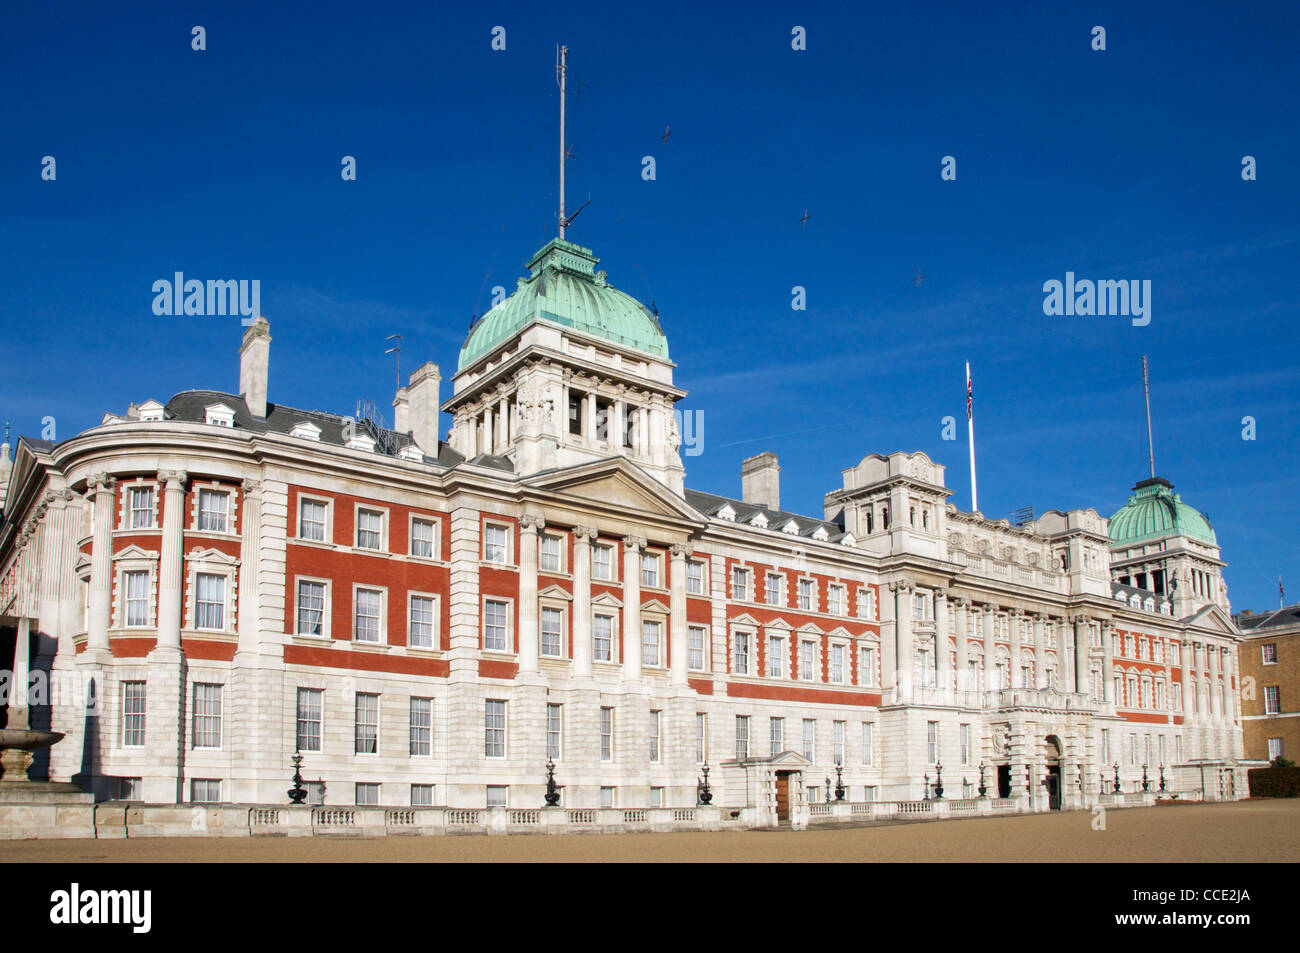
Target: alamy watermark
<point x="1123" y="298"/>
<point x="182" y="295"/>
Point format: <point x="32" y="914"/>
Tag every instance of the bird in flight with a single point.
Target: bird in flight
<point x="804" y="219"/>
<point x="919" y="278"/>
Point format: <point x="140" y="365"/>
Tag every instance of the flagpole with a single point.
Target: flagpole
<point x="970" y="431"/>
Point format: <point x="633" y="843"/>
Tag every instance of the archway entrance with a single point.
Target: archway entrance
<point x="1004" y="780"/>
<point x="1053" y="780"/>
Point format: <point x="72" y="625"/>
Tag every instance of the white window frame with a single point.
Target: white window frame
<point x="558" y="539"/>
<point x="810" y="739"/>
<point x="297" y="607"/>
<point x="809" y="673"/>
<point x="613" y="637"/>
<point x="319" y="693"/>
<point x="208" y="796"/>
<point x="124" y="570"/>
<point x="868" y="744"/>
<point x="647" y="627"/>
<point x="842" y="677"/>
<point x="382" y="621"/>
<point x="327" y="525"/>
<point x="419" y="735"/>
<point x="741" y="584"/>
<point x="382" y="512"/>
<point x="509" y="625"/>
<point x="435" y="641"/>
<point x="742" y="737"/>
<point x="211" y="719"/>
<point x="608" y="551"/>
<point x="775" y="735"/>
<point x="1264" y="654"/>
<point x="775" y="659"/>
<point x="773" y="588"/>
<point x="835" y="599"/>
<point x="650" y="568"/>
<point x="1273" y="701"/>
<point x="703" y="648"/>
<point x="807" y="595"/>
<point x="695" y="578"/>
<point x="605" y="728"/>
<point x="357" y="724"/>
<point x="426" y="795"/>
<point x="867" y="665"/>
<point x="130" y="509"/>
<point x="435" y="536"/>
<point x="739" y="638"/>
<point x="554" y="732"/>
<point x="489" y="710"/>
<point x="216" y="490"/>
<point x="561" y="631"/>
<point x="656" y="736"/>
<point x="508" y="548"/>
<point x="135" y="734"/>
<point x="701" y="737"/>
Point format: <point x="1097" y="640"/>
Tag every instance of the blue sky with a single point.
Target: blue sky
<point x="1117" y="164"/>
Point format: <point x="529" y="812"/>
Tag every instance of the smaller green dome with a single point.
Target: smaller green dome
<point x="565" y="288"/>
<point x="1155" y="511"/>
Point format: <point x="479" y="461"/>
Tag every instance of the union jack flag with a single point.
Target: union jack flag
<point x="970" y="400"/>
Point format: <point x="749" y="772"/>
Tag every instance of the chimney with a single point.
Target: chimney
<point x="254" y="359"/>
<point x="760" y="481"/>
<point x="422" y="414"/>
<point x="402" y="411"/>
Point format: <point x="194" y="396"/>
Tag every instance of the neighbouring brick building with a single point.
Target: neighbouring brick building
<point x="1270" y="671"/>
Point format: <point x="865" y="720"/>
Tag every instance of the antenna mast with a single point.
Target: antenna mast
<point x="564" y="56"/>
<point x="1146" y="386"/>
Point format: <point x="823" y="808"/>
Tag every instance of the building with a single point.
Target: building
<point x="1270" y="673"/>
<point x="430" y="621"/>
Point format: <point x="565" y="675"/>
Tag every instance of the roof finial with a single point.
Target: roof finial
<point x="1146" y="386"/>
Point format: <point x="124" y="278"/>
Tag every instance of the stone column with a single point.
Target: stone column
<point x="529" y="526"/>
<point x="250" y="548"/>
<point x="1216" y="702"/>
<point x="1014" y="624"/>
<point x="990" y="668"/>
<point x="489" y="441"/>
<point x="502" y="442"/>
<point x="632" y="546"/>
<point x="904" y="646"/>
<point x="171" y="565"/>
<point x="589" y="417"/>
<point x="1082" y="653"/>
<point x="963" y="650"/>
<point x="582" y="537"/>
<point x="618" y="426"/>
<point x="942" y="656"/>
<point x="1107" y="663"/>
<point x="101" y="490"/>
<point x="677" y="610"/>
<point x="1040" y="654"/>
<point x="19" y="716"/>
<point x="1191" y="685"/>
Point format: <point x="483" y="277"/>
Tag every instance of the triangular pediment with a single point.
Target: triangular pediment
<point x="744" y="619"/>
<point x="1213" y="618"/>
<point x="211" y="555"/>
<point x="809" y="629"/>
<point x="654" y="605"/>
<point x="135" y="552"/>
<point x="618" y="484"/>
<point x="605" y="600"/>
<point x="555" y="592"/>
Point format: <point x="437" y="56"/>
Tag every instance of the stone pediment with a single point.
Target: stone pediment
<point x="618" y="484"/>
<point x="1213" y="618"/>
<point x="654" y="605"/>
<point x="555" y="592"/>
<point x="607" y="600"/>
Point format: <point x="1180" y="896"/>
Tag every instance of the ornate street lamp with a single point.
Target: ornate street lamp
<point x="1146" y="782"/>
<point x="828" y="790"/>
<point x="1117" y="788"/>
<point x="1162" y="777"/>
<point x="297" y="793"/>
<point x="983" y="787"/>
<point x="706" y="796"/>
<point x="552" y="792"/>
<point x="926" y="795"/>
<point x="938" y="780"/>
<point x="1102" y="789"/>
<point x="839" y="782"/>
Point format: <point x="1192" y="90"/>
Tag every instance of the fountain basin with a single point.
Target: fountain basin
<point x="26" y="739"/>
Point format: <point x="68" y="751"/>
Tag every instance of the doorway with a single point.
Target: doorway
<point x="783" y="796"/>
<point x="1004" y="780"/>
<point x="1053" y="784"/>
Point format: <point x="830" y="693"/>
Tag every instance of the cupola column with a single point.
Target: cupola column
<point x="1216" y="696"/>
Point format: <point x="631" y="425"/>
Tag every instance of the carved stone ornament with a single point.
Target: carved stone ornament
<point x="1001" y="739"/>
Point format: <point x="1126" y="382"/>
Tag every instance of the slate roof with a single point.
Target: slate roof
<point x="1288" y="615"/>
<point x="710" y="503"/>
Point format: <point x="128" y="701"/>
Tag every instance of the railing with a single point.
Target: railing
<point x="582" y="817"/>
<point x="967" y="804"/>
<point x="819" y="810"/>
<point x="1002" y="803"/>
<point x="1137" y="799"/>
<point x="861" y="809"/>
<point x="463" y="818"/>
<point x="332" y="817"/>
<point x="399" y="818"/>
<point x="634" y="816"/>
<point x="684" y="815"/>
<point x="525" y="817"/>
<point x="264" y="817"/>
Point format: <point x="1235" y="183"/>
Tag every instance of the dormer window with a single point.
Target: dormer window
<point x="219" y="415"/>
<point x="759" y="520"/>
<point x="361" y="441"/>
<point x="151" y="411"/>
<point x="849" y="540"/>
<point x="305" y="430"/>
<point x="411" y="452"/>
<point x="791" y="527"/>
<point x="821" y="535"/>
<point x="727" y="513"/>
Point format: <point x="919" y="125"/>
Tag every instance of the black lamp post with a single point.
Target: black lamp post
<point x="1146" y="782"/>
<point x="706" y="796"/>
<point x="1162" y="777"/>
<point x="828" y="790"/>
<point x="938" y="780"/>
<point x="297" y="793"/>
<point x="1117" y="788"/>
<point x="926" y="796"/>
<point x="983" y="787"/>
<point x="552" y="792"/>
<point x="1102" y="790"/>
<point x="839" y="782"/>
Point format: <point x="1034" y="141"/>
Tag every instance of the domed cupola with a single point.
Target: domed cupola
<point x="564" y="288"/>
<point x="1155" y="511"/>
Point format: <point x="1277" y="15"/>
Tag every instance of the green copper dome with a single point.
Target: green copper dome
<point x="1155" y="511"/>
<point x="564" y="288"/>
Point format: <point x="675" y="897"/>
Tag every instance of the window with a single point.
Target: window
<point x="575" y="414"/>
<point x="931" y="742"/>
<point x="367" y="724"/>
<point x="656" y="797"/>
<point x="421" y="795"/>
<point x="311" y="520"/>
<point x="602" y="637"/>
<point x="837" y="664"/>
<point x="310" y="705"/>
<point x="963" y="739"/>
<point x="370" y="529"/>
<point x="775" y="657"/>
<point x="496" y="626"/>
<point x="494" y="728"/>
<point x="1274" y="749"/>
<point x="701" y="737"/>
<point x="695" y="647"/>
<point x="1178" y="748"/>
<point x="421" y="726"/>
<point x="128" y="789"/>
<point x="1163" y="751"/>
<point x="655" y="736"/>
<point x="210" y="601"/>
<point x="695" y="578"/>
<point x="806" y="595"/>
<point x="205" y="791"/>
<point x="602" y="562"/>
<point x="742" y="736"/>
<point x="1272" y="699"/>
<point x="498" y="795"/>
<point x="1178" y="696"/>
<point x="607" y="734"/>
<point x="1105" y="745"/>
<point x="835" y="600"/>
<point x="650" y="570"/>
<point x="776" y="733"/>
<point x="772" y="589"/>
<point x="205" y="729"/>
<point x="365" y="623"/>
<point x="837" y="741"/>
<point x="311" y="608"/>
<point x="918" y="607"/>
<point x="810" y="739"/>
<point x="422" y="538"/>
<point x="868" y="743"/>
<point x="137" y="598"/>
<point x="867" y="666"/>
<point x="740" y="585"/>
<point x="1269" y="653"/>
<point x="420" y="622"/>
<point x="606" y="797"/>
<point x="551" y="560"/>
<point x="1132" y="750"/>
<point x="650" y="643"/>
<point x="496" y="544"/>
<point x="554" y="717"/>
<point x="864" y="603"/>
<point x="213" y="508"/>
<point x="133" y="704"/>
<point x="141" y="507"/>
<point x="366" y="793"/>
<point x="742" y="653"/>
<point x="552" y="628"/>
<point x="808" y="661"/>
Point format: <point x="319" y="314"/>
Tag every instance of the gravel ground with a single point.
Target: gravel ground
<point x="1244" y="831"/>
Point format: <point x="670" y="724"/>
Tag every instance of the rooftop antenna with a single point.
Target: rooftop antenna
<point x="396" y="349"/>
<point x="1151" y="447"/>
<point x="560" y="69"/>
